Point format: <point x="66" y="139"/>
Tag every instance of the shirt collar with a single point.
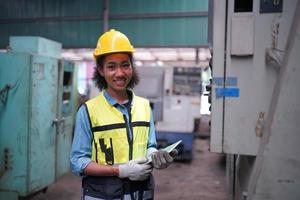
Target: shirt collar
<point x="112" y="101"/>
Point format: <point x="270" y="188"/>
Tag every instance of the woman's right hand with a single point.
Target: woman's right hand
<point x="135" y="170"/>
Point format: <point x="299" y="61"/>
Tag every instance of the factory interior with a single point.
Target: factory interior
<point x="221" y="80"/>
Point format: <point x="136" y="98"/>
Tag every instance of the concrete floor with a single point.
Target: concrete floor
<point x="203" y="178"/>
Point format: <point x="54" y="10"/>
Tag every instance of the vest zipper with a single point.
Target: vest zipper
<point x="96" y="149"/>
<point x="128" y="130"/>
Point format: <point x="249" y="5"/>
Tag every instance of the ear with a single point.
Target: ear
<point x="100" y="71"/>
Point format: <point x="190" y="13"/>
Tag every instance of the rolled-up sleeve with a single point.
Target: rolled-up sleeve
<point x="152" y="145"/>
<point x="81" y="151"/>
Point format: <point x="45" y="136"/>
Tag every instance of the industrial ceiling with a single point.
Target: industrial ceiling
<point x="78" y="23"/>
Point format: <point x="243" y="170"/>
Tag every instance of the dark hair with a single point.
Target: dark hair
<point x="100" y="81"/>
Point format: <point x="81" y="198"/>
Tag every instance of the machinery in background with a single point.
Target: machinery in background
<point x="37" y="104"/>
<point x="174" y="93"/>
<point x="255" y="97"/>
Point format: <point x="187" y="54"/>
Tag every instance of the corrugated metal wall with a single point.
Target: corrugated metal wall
<point x="78" y="23"/>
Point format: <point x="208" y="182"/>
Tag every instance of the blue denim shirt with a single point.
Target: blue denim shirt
<point x="81" y="151"/>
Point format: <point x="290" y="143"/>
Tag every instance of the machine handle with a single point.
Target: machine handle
<point x="55" y="122"/>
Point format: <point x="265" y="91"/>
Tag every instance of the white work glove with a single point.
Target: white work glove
<point x="135" y="170"/>
<point x="162" y="159"/>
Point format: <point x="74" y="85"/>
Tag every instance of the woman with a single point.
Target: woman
<point x="114" y="133"/>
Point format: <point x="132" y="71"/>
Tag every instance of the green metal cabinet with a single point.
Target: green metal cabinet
<point x="36" y="120"/>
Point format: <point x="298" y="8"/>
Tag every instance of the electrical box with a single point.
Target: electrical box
<point x="36" y="116"/>
<point x="240" y="107"/>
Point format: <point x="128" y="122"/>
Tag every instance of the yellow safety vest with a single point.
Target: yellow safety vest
<point x="111" y="142"/>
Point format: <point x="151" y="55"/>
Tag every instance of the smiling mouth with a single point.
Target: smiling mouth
<point x="120" y="82"/>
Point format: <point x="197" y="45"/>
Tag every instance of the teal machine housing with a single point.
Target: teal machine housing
<point x="37" y="104"/>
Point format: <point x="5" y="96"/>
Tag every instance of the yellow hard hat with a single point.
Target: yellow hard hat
<point x="112" y="41"/>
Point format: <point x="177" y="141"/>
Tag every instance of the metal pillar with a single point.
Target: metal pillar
<point x="105" y="15"/>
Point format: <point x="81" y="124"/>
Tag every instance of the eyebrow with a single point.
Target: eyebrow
<point x="126" y="61"/>
<point x="112" y="62"/>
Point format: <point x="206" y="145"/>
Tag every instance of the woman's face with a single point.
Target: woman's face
<point x="117" y="71"/>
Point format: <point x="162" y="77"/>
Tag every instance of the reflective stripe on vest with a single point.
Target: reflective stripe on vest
<point x="111" y="142"/>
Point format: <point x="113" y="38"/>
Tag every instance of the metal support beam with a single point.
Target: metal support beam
<point x="159" y="15"/>
<point x="197" y="56"/>
<point x="210" y="22"/>
<point x="105" y="15"/>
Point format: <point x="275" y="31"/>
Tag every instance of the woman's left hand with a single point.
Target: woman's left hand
<point x="161" y="159"/>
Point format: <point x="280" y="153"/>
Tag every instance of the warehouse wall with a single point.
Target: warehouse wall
<point x="78" y="23"/>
